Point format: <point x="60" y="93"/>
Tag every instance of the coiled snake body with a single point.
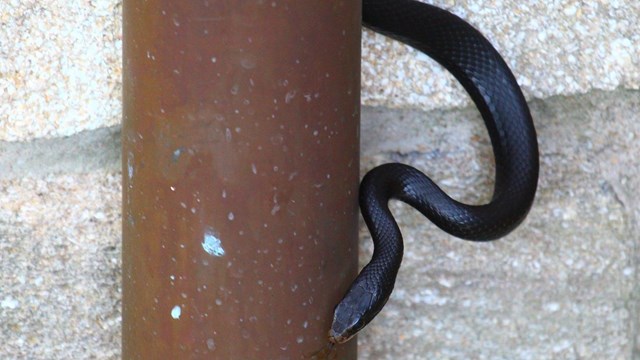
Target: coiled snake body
<point x="474" y="62"/>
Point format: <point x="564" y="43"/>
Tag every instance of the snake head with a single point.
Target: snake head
<point x="354" y="312"/>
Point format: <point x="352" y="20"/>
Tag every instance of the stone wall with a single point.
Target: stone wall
<point x="564" y="285"/>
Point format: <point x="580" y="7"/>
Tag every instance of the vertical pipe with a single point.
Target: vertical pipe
<point x="240" y="174"/>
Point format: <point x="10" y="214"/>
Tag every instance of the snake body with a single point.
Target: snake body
<point x="474" y="62"/>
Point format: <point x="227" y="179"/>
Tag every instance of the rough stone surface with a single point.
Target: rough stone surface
<point x="553" y="47"/>
<point x="60" y="267"/>
<point x="60" y="67"/>
<point x="82" y="152"/>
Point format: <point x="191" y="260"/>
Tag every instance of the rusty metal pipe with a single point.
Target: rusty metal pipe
<point x="240" y="175"/>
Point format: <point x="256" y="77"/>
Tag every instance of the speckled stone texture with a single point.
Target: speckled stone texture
<point x="553" y="47"/>
<point x="563" y="286"/>
<point x="60" y="267"/>
<point x="60" y="67"/>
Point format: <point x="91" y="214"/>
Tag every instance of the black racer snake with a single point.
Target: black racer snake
<point x="474" y="62"/>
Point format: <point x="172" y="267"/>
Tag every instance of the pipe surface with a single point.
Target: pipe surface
<point x="240" y="176"/>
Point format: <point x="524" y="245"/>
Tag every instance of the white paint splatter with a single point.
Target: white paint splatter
<point x="276" y="206"/>
<point x="211" y="344"/>
<point x="176" y="312"/>
<point x="211" y="244"/>
<point x="176" y="154"/>
<point x="130" y="166"/>
<point x="248" y="62"/>
<point x="289" y="96"/>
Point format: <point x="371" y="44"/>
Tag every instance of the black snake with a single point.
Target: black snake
<point x="474" y="62"/>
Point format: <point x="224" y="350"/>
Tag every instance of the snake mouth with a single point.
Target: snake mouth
<point x="336" y="338"/>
